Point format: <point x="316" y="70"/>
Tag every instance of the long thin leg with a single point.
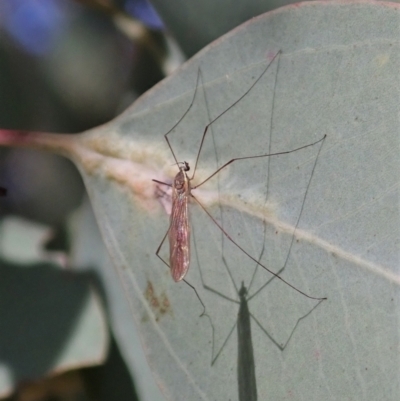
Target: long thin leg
<point x="267" y="183"/>
<point x="296" y="225"/>
<point x="183" y="116"/>
<point x="266" y="283"/>
<point x="255" y="157"/>
<point x="282" y="347"/>
<point x="206" y="286"/>
<point x="223" y="345"/>
<point x="251" y="257"/>
<point x="194" y="289"/>
<point x="159" y="248"/>
<point x="230" y="107"/>
<point x="162" y="183"/>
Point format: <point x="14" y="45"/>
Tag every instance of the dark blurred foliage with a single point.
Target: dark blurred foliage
<point x="64" y="67"/>
<point x="110" y="381"/>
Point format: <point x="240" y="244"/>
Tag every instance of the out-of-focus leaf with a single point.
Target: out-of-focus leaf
<point x="89" y="253"/>
<point x="51" y="320"/>
<point x="196" y="23"/>
<point x="337" y="75"/>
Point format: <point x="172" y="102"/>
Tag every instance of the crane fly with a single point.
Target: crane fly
<point x="179" y="228"/>
<point x="179" y="232"/>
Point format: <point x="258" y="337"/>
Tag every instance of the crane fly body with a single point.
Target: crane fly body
<point x="179" y="230"/>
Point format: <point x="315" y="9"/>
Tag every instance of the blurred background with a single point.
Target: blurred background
<point x="67" y="66"/>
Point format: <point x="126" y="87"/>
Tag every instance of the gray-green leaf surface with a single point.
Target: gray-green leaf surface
<point x="336" y="76"/>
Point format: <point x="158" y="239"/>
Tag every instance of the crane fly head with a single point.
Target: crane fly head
<point x="184" y="166"/>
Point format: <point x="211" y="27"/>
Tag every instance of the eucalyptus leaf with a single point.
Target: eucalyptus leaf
<point x="337" y="75"/>
<point x="89" y="254"/>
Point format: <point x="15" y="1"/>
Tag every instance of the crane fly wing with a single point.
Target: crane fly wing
<point x="179" y="235"/>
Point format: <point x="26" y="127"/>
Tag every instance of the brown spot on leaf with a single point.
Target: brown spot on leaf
<point x="159" y="304"/>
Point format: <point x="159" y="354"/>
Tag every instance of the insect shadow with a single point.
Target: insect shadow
<point x="178" y="232"/>
<point x="246" y="367"/>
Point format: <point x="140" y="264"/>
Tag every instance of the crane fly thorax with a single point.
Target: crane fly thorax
<point x="181" y="183"/>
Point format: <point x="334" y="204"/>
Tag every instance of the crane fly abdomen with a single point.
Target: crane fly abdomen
<point x="179" y="231"/>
